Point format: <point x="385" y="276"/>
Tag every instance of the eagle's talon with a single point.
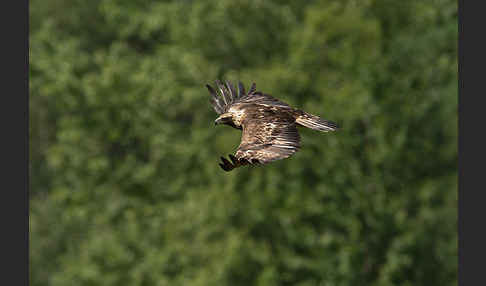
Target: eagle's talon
<point x="225" y="161"/>
<point x="234" y="159"/>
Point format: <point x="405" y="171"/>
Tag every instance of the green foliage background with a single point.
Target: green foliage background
<point x="125" y="185"/>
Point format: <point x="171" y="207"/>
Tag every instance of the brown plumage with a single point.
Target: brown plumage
<point x="269" y="125"/>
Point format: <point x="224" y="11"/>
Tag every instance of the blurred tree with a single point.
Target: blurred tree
<point x="125" y="186"/>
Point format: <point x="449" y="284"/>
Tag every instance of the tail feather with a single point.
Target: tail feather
<point x="316" y="123"/>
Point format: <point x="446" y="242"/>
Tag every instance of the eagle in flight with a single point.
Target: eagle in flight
<point x="269" y="126"/>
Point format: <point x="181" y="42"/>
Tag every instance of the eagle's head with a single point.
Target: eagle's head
<point x="227" y="118"/>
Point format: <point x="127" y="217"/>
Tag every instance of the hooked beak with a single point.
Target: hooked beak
<point x="222" y="118"/>
<point x="218" y="120"/>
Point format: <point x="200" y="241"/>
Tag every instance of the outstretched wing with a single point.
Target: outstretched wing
<point x="265" y="140"/>
<point x="226" y="95"/>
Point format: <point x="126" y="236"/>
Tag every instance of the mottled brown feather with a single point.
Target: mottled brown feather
<point x="268" y="135"/>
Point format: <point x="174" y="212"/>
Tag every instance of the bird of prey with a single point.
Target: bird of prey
<point x="269" y="126"/>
